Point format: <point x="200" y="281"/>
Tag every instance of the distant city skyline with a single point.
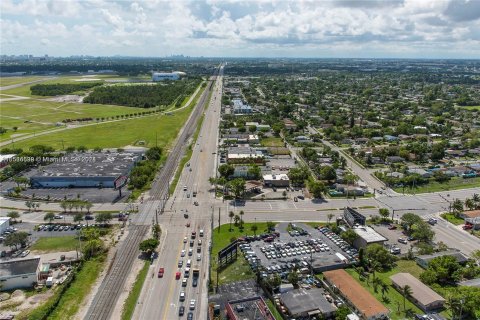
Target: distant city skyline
<point x="219" y="28"/>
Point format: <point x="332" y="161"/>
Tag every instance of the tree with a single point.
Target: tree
<point x="103" y="217"/>
<point x="384" y="289"/>
<point x="376" y="282"/>
<point x="78" y="217"/>
<point x="342" y="313"/>
<point x="49" y="216"/>
<point x="88" y="206"/>
<point x="254" y="172"/>
<point x="470" y="204"/>
<point x="92" y="248"/>
<point x="406" y="292"/>
<point x="316" y="188"/>
<point x="378" y="253"/>
<point x="298" y="175"/>
<point x="252" y="129"/>
<point x="14" y="215"/>
<point x="149" y="245"/>
<point x="329" y="217"/>
<point x="328" y="173"/>
<point x="29" y="204"/>
<point x="428" y="277"/>
<point x="16" y="239"/>
<point x="241" y="218"/>
<point x="446" y="269"/>
<point x="254" y="228"/>
<point x="409" y="219"/>
<point x="154" y="153"/>
<point x="20" y="180"/>
<point x="64" y="205"/>
<point x="423" y="232"/>
<point x="270" y="226"/>
<point x="457" y="207"/>
<point x="226" y="170"/>
<point x="349" y="236"/>
<point x="384" y="213"/>
<point x="476" y="199"/>
<point x="238" y="187"/>
<point x="236" y="219"/>
<point x="293" y="277"/>
<point x="231" y="215"/>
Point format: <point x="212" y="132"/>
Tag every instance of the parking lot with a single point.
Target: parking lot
<point x="297" y="246"/>
<point x="396" y="238"/>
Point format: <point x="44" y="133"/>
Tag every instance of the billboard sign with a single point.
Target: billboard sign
<point x="120" y="182"/>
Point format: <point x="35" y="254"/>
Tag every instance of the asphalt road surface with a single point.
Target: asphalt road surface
<point x="160" y="296"/>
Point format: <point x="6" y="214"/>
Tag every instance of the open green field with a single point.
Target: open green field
<point x="238" y="270"/>
<point x="32" y="115"/>
<point x="54" y="244"/>
<point x="450" y="217"/>
<point x="163" y="128"/>
<point x="393" y="299"/>
<point x="454" y="184"/>
<point x="272" y="142"/>
<point x="471" y="108"/>
<point x="8" y="81"/>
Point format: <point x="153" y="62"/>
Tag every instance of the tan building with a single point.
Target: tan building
<point x="356" y="296"/>
<point x="422" y="296"/>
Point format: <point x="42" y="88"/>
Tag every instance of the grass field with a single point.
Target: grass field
<point x="160" y="128"/>
<point x="394" y="300"/>
<point x="454" y="184"/>
<point x="8" y="81"/>
<point x="32" y="115"/>
<point x="130" y="303"/>
<point x="471" y="108"/>
<point x="452" y="219"/>
<point x="238" y="270"/>
<point x="272" y="142"/>
<point x="54" y="244"/>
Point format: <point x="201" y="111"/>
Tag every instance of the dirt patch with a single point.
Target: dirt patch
<point x="19" y="303"/>
<point x="67" y="98"/>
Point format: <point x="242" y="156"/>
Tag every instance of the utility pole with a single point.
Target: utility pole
<point x="218" y="220"/>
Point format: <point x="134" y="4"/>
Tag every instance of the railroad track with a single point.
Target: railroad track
<point x="104" y="301"/>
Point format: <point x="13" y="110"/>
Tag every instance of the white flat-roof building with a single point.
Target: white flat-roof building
<point x="367" y="236"/>
<point x="16" y="274"/>
<point x="4" y="224"/>
<point x="276" y="180"/>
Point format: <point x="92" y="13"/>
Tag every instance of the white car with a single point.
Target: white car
<point x="25" y="253"/>
<point x="199" y="257"/>
<point x="192" y="304"/>
<point x="190" y="252"/>
<point x="185" y="240"/>
<point x="182" y="296"/>
<point x="183" y="253"/>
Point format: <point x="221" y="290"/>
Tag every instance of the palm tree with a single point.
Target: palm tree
<point x="254" y="228"/>
<point x="64" y="205"/>
<point x="376" y="282"/>
<point x="329" y="217"/>
<point x="49" y="216"/>
<point x="406" y="292"/>
<point x="236" y="219"/>
<point x="457" y="207"/>
<point x="470" y="204"/>
<point x="231" y="215"/>
<point x="384" y="289"/>
<point x="476" y="199"/>
<point x="241" y="218"/>
<point x="81" y="205"/>
<point x="88" y="206"/>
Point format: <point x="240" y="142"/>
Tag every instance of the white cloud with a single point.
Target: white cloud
<point x="234" y="27"/>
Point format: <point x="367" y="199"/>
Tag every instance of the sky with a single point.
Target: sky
<point x="234" y="28"/>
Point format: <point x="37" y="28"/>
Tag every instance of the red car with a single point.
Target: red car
<point x="160" y="272"/>
<point x="467" y="227"/>
<point x="177" y="275"/>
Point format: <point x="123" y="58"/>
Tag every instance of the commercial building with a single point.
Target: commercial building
<point x="15" y="274"/>
<point x="4" y="224"/>
<point x="86" y="170"/>
<point x="353" y="217"/>
<point x="249" y="308"/>
<point x="307" y="303"/>
<point x="367" y="236"/>
<point x="424" y="260"/>
<point x="162" y="76"/>
<point x="240" y="108"/>
<point x="276" y="180"/>
<point x="422" y="296"/>
<point x="365" y="305"/>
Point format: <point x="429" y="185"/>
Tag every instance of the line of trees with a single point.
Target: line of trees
<point x="75" y="204"/>
<point x="61" y="88"/>
<point x="143" y="96"/>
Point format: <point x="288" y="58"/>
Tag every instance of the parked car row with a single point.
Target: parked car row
<point x="351" y="252"/>
<point x="58" y="227"/>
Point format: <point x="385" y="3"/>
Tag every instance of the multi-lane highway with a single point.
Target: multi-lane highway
<point x="105" y="299"/>
<point x="160" y="297"/>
